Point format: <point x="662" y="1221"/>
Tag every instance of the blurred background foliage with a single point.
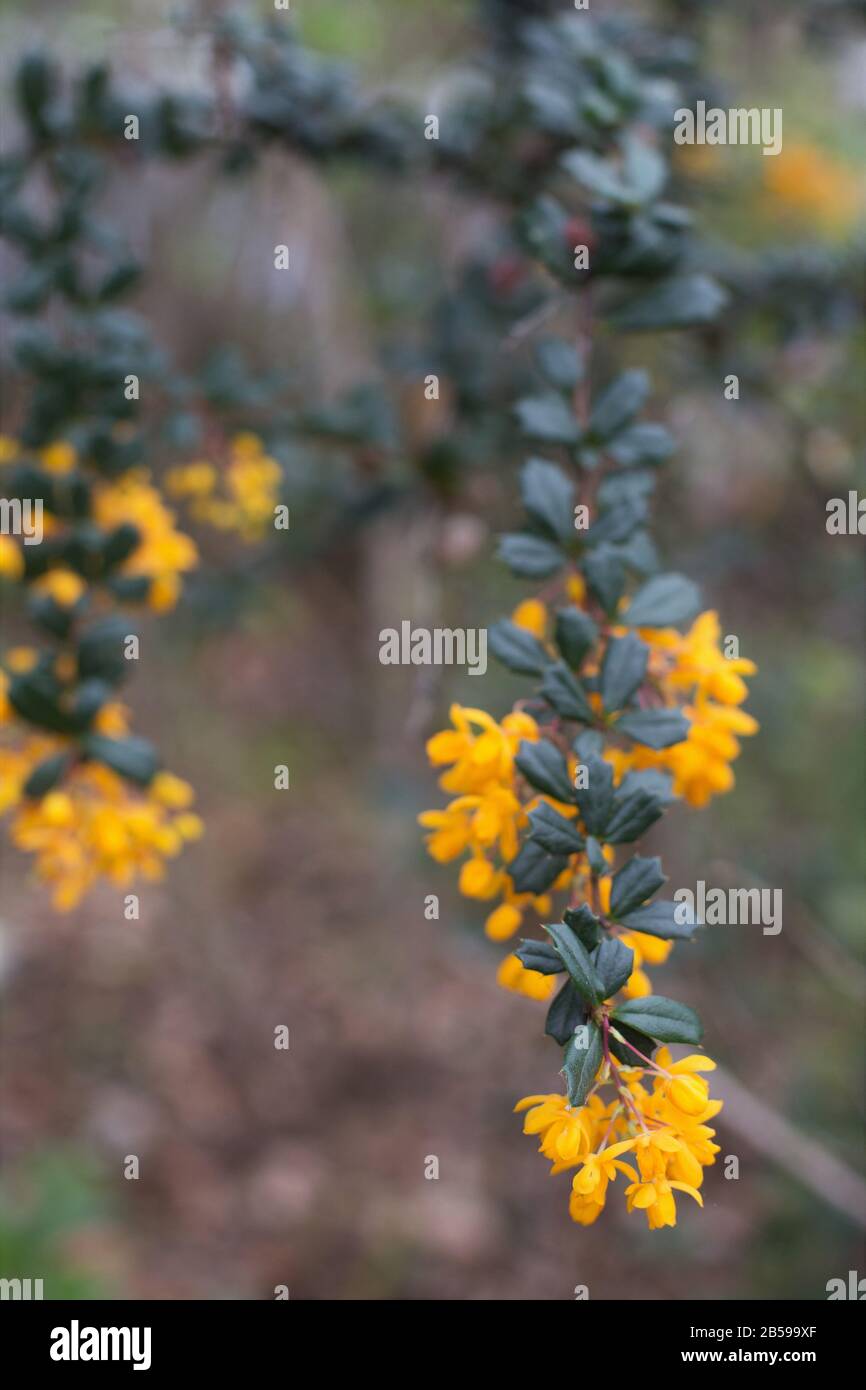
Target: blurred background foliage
<point x="155" y="1038"/>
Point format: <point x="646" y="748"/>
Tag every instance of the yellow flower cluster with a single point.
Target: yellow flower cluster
<point x="487" y="814"/>
<point x="809" y="184"/>
<point x="241" y="497"/>
<point x="96" y="825"/>
<point x="163" y="553"/>
<point x="692" y="671"/>
<point x="657" y="1117"/>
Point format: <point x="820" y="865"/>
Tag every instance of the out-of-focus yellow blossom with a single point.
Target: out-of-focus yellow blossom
<point x="653" y="1130"/>
<point x="59" y="457"/>
<point x="513" y="975"/>
<point x="164" y="553"/>
<point x="532" y="616"/>
<point x="11" y="559"/>
<point x="241" y="497"/>
<point x="19" y="660"/>
<point x="97" y="826"/>
<point x="806" y="183"/>
<point x="9" y="449"/>
<point x="63" y="585"/>
<point x="112" y="720"/>
<point x="575" y="587"/>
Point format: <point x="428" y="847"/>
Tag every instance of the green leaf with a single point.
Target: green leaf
<point x="633" y="813"/>
<point x="119" y="544"/>
<point x="580" y="1064"/>
<point x="130" y="588"/>
<point x="645" y="170"/>
<point x="595" y="855"/>
<point x="614" y="962"/>
<point x="656" y="728"/>
<point x="530" y="556"/>
<point x="575" y="632"/>
<point x="533" y="868"/>
<point x="589" y="743"/>
<point x="559" y="363"/>
<point x="50" y="615"/>
<point x="659" y="918"/>
<point x="545" y="768"/>
<point x="543" y="228"/>
<point x="681" y="301"/>
<point x="649" y="779"/>
<point x="540" y="956"/>
<point x="584" y="924"/>
<point x="100" y="648"/>
<point x="633" y="884"/>
<point x="547" y="418"/>
<point x="597" y="175"/>
<point x="625" y="1054"/>
<point x="605" y="576"/>
<point x="644" y="443"/>
<point x="516" y="648"/>
<point x="577" y="961"/>
<point x="90" y="696"/>
<point x="666" y="1020"/>
<point x="47" y="774"/>
<point x="553" y="831"/>
<point x="566" y="694"/>
<point x="567" y="1011"/>
<point x="132" y="757"/>
<point x="663" y="600"/>
<point x="622" y="670"/>
<point x="618" y="405"/>
<point x="35" y="697"/>
<point x="617" y="522"/>
<point x="548" y="496"/>
<point x="596" y="798"/>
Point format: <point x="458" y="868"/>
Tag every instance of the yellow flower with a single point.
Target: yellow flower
<point x="809" y="184"/>
<point x="502" y="923"/>
<point x="693" y="668"/>
<point x="63" y="585"/>
<point x="191" y="480"/>
<point x="661" y="1128"/>
<point x="98" y="826"/>
<point x="21" y="659"/>
<point x="112" y="720"/>
<point x="171" y="791"/>
<point x="576" y="589"/>
<point x="59" y="457"/>
<point x="566" y="1134"/>
<point x="532" y="616"/>
<point x="246" y="502"/>
<point x="657" y="1200"/>
<point x="601" y="1168"/>
<point x="478" y="878"/>
<point x="163" y="553"/>
<point x="513" y="975"/>
<point x="11" y="559"/>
